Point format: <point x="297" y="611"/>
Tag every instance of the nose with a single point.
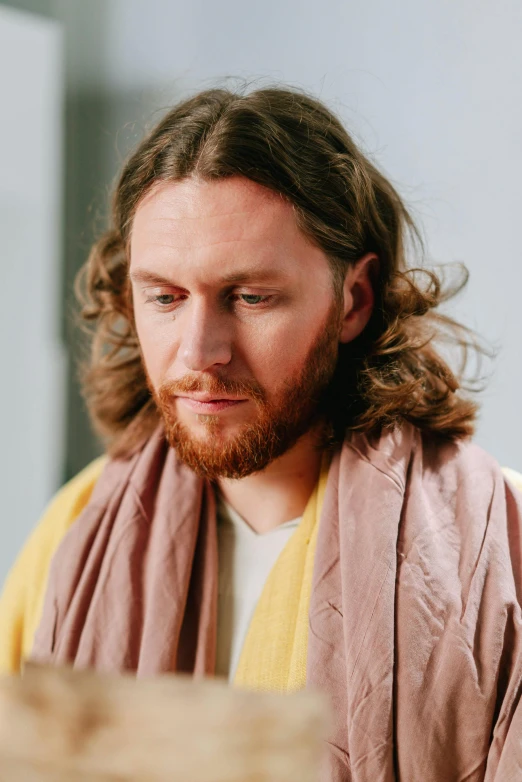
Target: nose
<point x="205" y="341"/>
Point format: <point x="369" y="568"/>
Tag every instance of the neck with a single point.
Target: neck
<point x="280" y="492"/>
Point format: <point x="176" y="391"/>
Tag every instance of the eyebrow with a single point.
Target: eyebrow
<point x="241" y="276"/>
<point x="142" y="275"/>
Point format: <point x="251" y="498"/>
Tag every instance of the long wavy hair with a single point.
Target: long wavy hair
<point x="292" y="144"/>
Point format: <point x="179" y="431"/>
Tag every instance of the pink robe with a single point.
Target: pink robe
<point x="415" y="616"/>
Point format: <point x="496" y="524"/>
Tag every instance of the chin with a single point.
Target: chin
<point x="211" y="428"/>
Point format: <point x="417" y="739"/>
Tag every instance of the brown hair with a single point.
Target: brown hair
<point x="291" y="143"/>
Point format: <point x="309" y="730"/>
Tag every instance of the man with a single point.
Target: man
<point x="290" y="497"/>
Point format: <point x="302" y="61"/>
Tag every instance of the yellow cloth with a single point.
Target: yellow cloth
<point x="22" y="598"/>
<point x="278" y="663"/>
<point x="275" y="649"/>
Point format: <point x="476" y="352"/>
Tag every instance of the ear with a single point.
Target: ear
<point x="358" y="296"/>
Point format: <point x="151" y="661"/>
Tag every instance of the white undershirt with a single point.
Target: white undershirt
<point x="245" y="561"/>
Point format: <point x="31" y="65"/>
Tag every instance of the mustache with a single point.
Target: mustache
<point x="192" y="384"/>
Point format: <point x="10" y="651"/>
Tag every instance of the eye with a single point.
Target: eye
<point x="251" y="298"/>
<point x="164" y="299"/>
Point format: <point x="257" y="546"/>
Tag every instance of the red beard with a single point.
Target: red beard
<point x="278" y="425"/>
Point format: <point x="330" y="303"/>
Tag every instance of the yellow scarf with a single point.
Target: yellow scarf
<point x="274" y="655"/>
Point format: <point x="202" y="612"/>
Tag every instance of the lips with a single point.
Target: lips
<point x="208" y="405"/>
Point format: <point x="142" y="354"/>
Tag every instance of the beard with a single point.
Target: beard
<point x="279" y="424"/>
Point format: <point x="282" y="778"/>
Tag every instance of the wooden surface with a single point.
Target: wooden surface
<point x="59" y="725"/>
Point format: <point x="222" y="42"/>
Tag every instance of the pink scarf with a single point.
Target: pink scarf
<point x="415" y="615"/>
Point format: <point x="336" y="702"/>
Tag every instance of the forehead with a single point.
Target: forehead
<point x="195" y="215"/>
<point x="194" y="198"/>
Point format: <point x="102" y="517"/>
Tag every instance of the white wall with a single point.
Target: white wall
<point x="431" y="89"/>
<point x="31" y="387"/>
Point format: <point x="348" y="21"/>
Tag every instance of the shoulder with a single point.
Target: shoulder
<point x="464" y="463"/>
<point x="22" y="597"/>
<point x="72" y="498"/>
<point x="65" y="507"/>
<point x="514" y="477"/>
<point x="463" y="497"/>
<point x="63" y="510"/>
<point x="466" y="484"/>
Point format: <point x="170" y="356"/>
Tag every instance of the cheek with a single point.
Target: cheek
<point x="156" y="348"/>
<point x="278" y="353"/>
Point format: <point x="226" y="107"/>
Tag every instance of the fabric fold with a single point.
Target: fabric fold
<point x="124" y="576"/>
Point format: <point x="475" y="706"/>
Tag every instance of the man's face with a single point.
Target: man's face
<point x="236" y="318"/>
